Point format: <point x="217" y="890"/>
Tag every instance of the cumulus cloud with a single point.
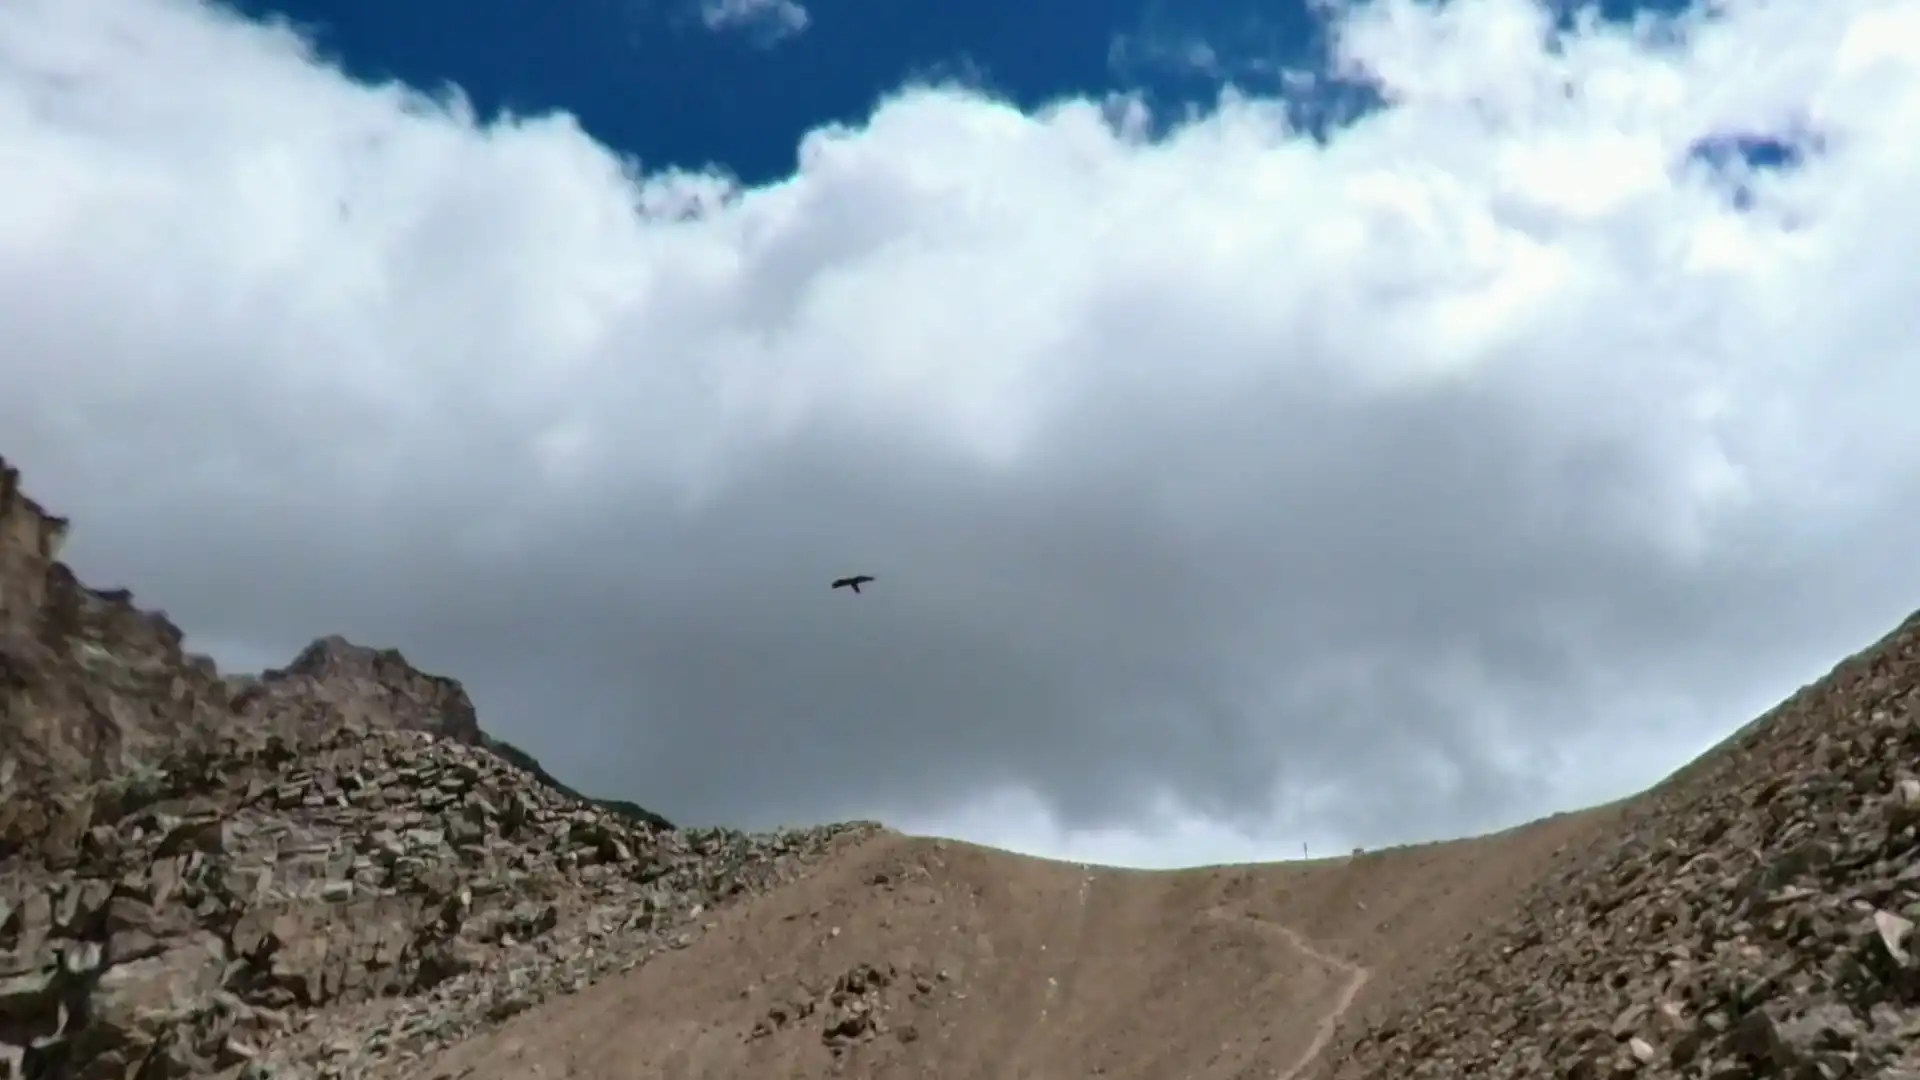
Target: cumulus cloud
<point x="767" y="20"/>
<point x="1227" y="488"/>
<point x="1128" y="53"/>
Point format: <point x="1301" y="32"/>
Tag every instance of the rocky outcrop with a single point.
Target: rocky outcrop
<point x="516" y="756"/>
<point x="201" y="874"/>
<point x="334" y="681"/>
<point x="90" y="686"/>
<point x="246" y="908"/>
<point x="1753" y="917"/>
<point x="858" y="1006"/>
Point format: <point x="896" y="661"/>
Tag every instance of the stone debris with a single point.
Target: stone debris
<point x="330" y="871"/>
<point x="365" y="896"/>
<point x="1752" y="918"/>
<point x="334" y="681"/>
<point x="853" y="1009"/>
<point x="326" y="870"/>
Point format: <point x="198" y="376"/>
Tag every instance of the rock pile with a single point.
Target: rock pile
<point x="226" y="904"/>
<point x="334" y="681"/>
<point x="857" y="1007"/>
<point x="325" y="870"/>
<point x="90" y="685"/>
<point x="1753" y="918"/>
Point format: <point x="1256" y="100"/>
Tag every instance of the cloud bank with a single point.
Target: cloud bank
<point x="768" y="21"/>
<point x="1227" y="488"/>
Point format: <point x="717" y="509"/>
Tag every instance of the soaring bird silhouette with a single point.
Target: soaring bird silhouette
<point x="853" y="583"/>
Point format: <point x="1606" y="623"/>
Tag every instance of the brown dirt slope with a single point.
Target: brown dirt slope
<point x="1749" y="918"/>
<point x="911" y="957"/>
<point x="331" y="871"/>
<point x="1752" y="916"/>
<point x="204" y="874"/>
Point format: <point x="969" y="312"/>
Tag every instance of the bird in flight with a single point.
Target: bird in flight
<point x="853" y="583"/>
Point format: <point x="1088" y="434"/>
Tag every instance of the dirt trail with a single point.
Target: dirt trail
<point x="1619" y="940"/>
<point x="1357" y="976"/>
<point x="914" y="957"/>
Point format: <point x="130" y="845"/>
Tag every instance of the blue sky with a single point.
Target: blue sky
<point x="653" y="79"/>
<point x="650" y="77"/>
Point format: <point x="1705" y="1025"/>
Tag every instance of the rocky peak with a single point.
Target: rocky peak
<point x="30" y="540"/>
<point x="334" y="681"/>
<point x="93" y="687"/>
<point x="90" y="685"/>
<point x="197" y="870"/>
<point x="1751" y="917"/>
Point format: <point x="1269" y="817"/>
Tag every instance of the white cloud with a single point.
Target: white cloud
<point x="1129" y="53"/>
<point x="1014" y="820"/>
<point x="1399" y="477"/>
<point x="771" y="20"/>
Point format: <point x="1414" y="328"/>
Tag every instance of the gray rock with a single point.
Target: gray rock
<point x="305" y="873"/>
<point x="1753" y="918"/>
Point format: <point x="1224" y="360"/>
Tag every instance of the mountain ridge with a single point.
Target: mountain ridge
<point x="330" y="870"/>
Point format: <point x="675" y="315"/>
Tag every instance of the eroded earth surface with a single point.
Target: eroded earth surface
<point x="332" y="870"/>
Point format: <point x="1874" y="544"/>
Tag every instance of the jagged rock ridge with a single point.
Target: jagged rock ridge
<point x="94" y="686"/>
<point x="334" y="681"/>
<point x="325" y="891"/>
<point x="90" y="686"/>
<point x="193" y="868"/>
<point x="1751" y="917"/>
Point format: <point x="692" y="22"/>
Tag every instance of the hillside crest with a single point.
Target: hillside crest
<point x="330" y="870"/>
<point x="195" y="867"/>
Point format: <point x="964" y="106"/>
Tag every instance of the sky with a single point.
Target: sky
<point x="736" y="84"/>
<point x="1270" y="430"/>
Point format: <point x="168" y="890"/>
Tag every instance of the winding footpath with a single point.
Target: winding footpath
<point x="1357" y="977"/>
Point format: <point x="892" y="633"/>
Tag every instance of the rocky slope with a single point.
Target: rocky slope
<point x="334" y="681"/>
<point x="90" y="686"/>
<point x="202" y="874"/>
<point x="1751" y="917"/>
<point x="330" y="870"/>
